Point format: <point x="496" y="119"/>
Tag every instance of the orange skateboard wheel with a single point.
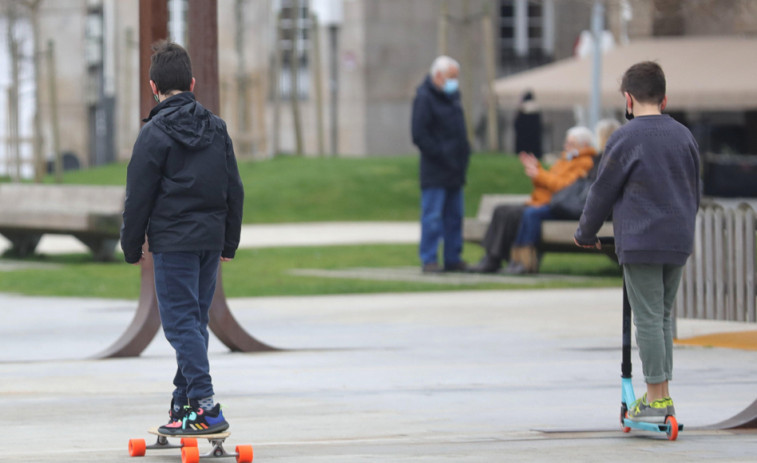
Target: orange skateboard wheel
<point x="244" y="453"/>
<point x="672" y="422"/>
<point x="137" y="447"/>
<point x="188" y="442"/>
<point x="190" y="455"/>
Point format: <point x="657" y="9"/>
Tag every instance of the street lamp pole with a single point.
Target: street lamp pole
<point x="597" y="27"/>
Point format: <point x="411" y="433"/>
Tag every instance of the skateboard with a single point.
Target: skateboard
<point x="190" y="453"/>
<point x="671" y="426"/>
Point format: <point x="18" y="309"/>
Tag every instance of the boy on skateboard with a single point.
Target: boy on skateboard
<point x="184" y="191"/>
<point x="649" y="180"/>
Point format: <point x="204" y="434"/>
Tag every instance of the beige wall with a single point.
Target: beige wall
<point x="126" y="63"/>
<point x="63" y="23"/>
<point x="386" y="47"/>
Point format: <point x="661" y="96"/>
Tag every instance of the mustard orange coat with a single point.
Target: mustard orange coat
<point x="564" y="172"/>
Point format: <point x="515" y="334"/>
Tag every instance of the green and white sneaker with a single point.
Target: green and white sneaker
<point x="656" y="412"/>
<point x="671" y="407"/>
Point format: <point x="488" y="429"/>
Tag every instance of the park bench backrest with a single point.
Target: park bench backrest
<point x="61" y="198"/>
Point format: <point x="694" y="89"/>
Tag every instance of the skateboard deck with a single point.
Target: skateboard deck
<point x="216" y="435"/>
<point x="188" y="444"/>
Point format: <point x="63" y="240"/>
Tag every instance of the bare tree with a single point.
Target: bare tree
<point x="15" y="10"/>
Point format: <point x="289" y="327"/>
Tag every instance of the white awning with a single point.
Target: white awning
<point x="702" y="73"/>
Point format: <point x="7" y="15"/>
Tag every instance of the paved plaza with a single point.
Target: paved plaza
<point x="469" y="376"/>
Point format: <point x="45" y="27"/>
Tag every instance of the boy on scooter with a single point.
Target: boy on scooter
<point x="649" y="180"/>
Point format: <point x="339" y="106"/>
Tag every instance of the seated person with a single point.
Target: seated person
<point x="575" y="161"/>
<point x="523" y="252"/>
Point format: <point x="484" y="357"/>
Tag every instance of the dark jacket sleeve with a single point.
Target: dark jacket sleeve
<point x="422" y="134"/>
<point x="603" y="193"/>
<point x="235" y="202"/>
<point x="142" y="183"/>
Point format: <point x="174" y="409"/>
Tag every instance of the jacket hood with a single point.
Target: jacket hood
<point x="185" y="120"/>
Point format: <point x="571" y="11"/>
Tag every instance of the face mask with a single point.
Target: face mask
<point x="450" y="86"/>
<point x="571" y="154"/>
<point x="629" y="115"/>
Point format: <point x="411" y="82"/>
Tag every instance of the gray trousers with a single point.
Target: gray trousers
<point x="651" y="292"/>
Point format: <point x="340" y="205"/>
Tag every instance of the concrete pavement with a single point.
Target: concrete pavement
<point x="470" y="376"/>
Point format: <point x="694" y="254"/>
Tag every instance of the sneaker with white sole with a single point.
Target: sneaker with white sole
<point x="656" y="412"/>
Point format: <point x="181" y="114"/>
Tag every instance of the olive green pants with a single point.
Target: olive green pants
<point x="651" y="292"/>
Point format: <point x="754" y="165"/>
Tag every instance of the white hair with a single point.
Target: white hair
<point x="443" y="64"/>
<point x="581" y="135"/>
<point x="603" y="130"/>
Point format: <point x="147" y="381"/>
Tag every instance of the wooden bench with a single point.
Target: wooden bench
<point x="556" y="235"/>
<point x="92" y="214"/>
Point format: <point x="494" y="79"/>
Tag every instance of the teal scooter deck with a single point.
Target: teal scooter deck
<point x="670" y="427"/>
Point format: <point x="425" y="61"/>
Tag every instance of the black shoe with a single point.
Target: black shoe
<point x="197" y="421"/>
<point x="431" y="267"/>
<point x="174" y="415"/>
<point x="461" y="266"/>
<point x="487" y="264"/>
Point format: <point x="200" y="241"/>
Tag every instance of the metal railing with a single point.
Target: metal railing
<point x="719" y="278"/>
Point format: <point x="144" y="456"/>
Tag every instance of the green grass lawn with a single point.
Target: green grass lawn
<point x="292" y="189"/>
<point x="265" y="272"/>
<point x="295" y="189"/>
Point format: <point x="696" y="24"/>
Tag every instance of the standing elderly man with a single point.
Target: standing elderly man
<point x="439" y="132"/>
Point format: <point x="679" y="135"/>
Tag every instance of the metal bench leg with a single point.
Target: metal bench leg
<point x="146" y="321"/>
<point x="102" y="248"/>
<point x="227" y="329"/>
<point x="23" y="243"/>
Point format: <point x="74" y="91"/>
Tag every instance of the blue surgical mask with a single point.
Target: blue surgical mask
<point x="450" y="86"/>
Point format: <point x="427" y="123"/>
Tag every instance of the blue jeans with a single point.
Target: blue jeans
<point x="441" y="219"/>
<point x="529" y="232"/>
<point x="185" y="283"/>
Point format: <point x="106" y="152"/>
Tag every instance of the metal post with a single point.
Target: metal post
<point x="334" y="88"/>
<point x="54" y="111"/>
<point x="131" y="125"/>
<point x="243" y="88"/>
<point x="39" y="161"/>
<point x="317" y="81"/>
<point x="153" y="26"/>
<point x="597" y="26"/>
<point x="146" y="321"/>
<point x="14" y="153"/>
<point x="294" y="93"/>
<point x="441" y="37"/>
<point x="277" y="87"/>
<point x="202" y="22"/>
<point x="490" y="59"/>
<point x="466" y="73"/>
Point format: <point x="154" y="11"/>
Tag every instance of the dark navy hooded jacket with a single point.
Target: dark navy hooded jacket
<point x="439" y="132"/>
<point x="182" y="186"/>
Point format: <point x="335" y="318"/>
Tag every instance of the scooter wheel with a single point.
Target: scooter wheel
<point x="672" y="423"/>
<point x="623" y="416"/>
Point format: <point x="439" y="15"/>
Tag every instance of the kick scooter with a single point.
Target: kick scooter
<point x="671" y="425"/>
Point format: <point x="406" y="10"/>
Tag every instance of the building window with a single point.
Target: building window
<point x="286" y="40"/>
<point x="526" y="34"/>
